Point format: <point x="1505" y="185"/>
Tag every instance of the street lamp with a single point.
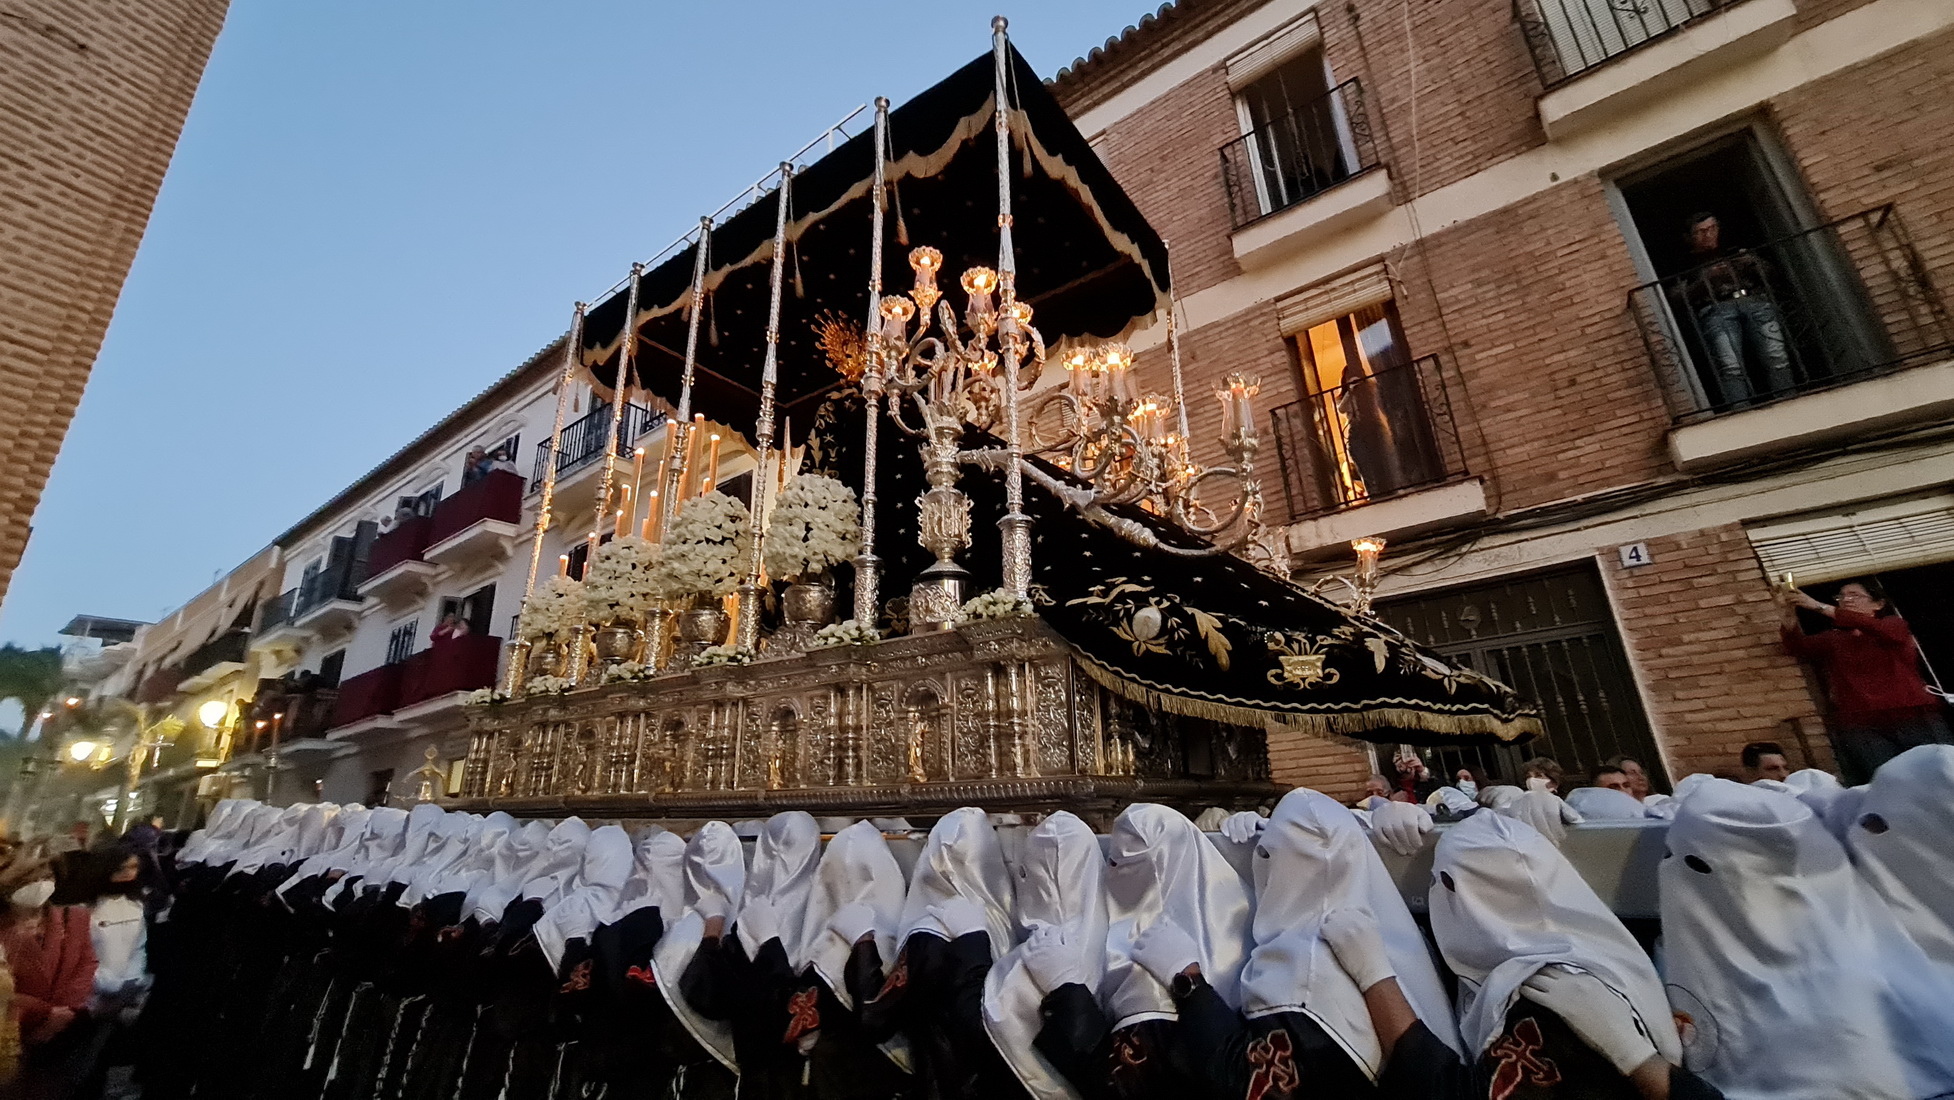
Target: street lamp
<point x="212" y="713"/>
<point x="81" y="751"/>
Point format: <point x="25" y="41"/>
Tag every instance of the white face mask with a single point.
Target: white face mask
<point x="1537" y="782"/>
<point x="1468" y="787"/>
<point x="33" y="895"/>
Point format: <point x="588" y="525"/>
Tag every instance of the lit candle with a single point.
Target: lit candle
<point x="563" y="565"/>
<point x="712" y="466"/>
<point x="623" y="511"/>
<point x="650" y="529"/>
<point x="637" y="477"/>
<point x="691" y="474"/>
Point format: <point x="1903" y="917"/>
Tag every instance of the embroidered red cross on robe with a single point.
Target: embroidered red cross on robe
<point x="1274" y="1059"/>
<point x="1520" y="1061"/>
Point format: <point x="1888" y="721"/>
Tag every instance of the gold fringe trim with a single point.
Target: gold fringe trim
<point x="1351" y="724"/>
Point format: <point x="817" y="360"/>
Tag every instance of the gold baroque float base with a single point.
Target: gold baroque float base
<point x="996" y="714"/>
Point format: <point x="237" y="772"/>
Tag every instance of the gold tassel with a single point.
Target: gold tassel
<point x="712" y="318"/>
<point x="902" y="227"/>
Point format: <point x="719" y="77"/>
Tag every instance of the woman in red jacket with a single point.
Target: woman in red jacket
<point x="53" y="961"/>
<point x="1880" y="705"/>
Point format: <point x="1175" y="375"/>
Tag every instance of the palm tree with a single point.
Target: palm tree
<point x="32" y="676"/>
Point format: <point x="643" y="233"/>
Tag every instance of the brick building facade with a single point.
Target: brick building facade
<point x="91" y="104"/>
<point x="1452" y="240"/>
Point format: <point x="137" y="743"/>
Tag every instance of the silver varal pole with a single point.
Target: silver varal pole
<point x="749" y="632"/>
<point x="868" y="567"/>
<point x="1015" y="525"/>
<point x="676" y="437"/>
<point x="519" y="654"/>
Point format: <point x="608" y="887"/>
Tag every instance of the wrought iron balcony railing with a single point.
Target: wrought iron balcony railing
<point x="1304" y="153"/>
<point x="339" y="582"/>
<point x="1843" y="301"/>
<point x="1569" y="37"/>
<point x="584" y="438"/>
<point x="1369" y="439"/>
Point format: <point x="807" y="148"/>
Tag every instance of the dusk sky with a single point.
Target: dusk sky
<point x="378" y="208"/>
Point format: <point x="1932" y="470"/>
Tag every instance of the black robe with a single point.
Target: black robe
<point x="934" y="997"/>
<point x="1537" y="1057"/>
<point x="641" y="1050"/>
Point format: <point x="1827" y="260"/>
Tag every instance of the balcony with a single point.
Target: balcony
<point x="1570" y="37"/>
<point x="479" y="522"/>
<point x="1819" y="336"/>
<point x="583" y="441"/>
<point x="395" y="573"/>
<point x="1377" y="444"/>
<point x="276" y="638"/>
<point x="369" y="695"/>
<point x="328" y="602"/>
<point x="1281" y="176"/>
<point x="214" y="660"/>
<point x="418" y="689"/>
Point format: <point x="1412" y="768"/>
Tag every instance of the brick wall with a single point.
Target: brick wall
<point x="91" y="103"/>
<point x="1701" y="629"/>
<point x="1337" y="766"/>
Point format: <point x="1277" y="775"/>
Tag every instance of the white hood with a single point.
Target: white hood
<point x="1900" y="841"/>
<point x="784" y="860"/>
<point x="657" y="876"/>
<point x="552" y="874"/>
<point x="715" y="869"/>
<point x="857" y="867"/>
<point x="1312" y="859"/>
<point x="1060" y="883"/>
<point x="961" y="858"/>
<point x="606" y="864"/>
<point x="1505" y="903"/>
<point x="1796" y="980"/>
<point x="520" y="853"/>
<point x="1160" y="867"/>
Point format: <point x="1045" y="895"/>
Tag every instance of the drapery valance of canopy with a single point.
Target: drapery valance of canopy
<point x="1088" y="263"/>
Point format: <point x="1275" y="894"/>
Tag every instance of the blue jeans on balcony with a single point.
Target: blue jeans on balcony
<point x="1736" y="329"/>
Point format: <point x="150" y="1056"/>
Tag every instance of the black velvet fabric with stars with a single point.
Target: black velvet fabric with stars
<point x="1088" y="263"/>
<point x="1207" y="636"/>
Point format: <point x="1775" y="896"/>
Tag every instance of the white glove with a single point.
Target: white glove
<point x="959" y="917"/>
<point x="1601" y="1017"/>
<point x="1546" y="812"/>
<point x="1163" y="950"/>
<point x="1499" y="796"/>
<point x="760" y="920"/>
<point x="711" y="905"/>
<point x="1401" y="826"/>
<point x="852" y="922"/>
<point x="1051" y="961"/>
<point x="1244" y="827"/>
<point x="1352" y="936"/>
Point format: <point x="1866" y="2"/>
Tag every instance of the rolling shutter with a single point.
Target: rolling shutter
<point x="1830" y="548"/>
<point x="1347" y="293"/>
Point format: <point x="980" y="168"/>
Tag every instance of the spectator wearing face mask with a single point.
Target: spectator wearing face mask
<point x="119" y="937"/>
<point x="53" y="962"/>
<point x="1542" y="773"/>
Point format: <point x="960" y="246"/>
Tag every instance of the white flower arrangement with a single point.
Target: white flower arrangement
<point x="816" y="525"/>
<point x="723" y="655"/>
<point x="706" y="549"/>
<point x="618" y="585"/>
<point x="848" y="632"/>
<point x="483" y="697"/>
<point x="625" y="671"/>
<point x="554" y="608"/>
<point x="995" y="604"/>
<point x="551" y="685"/>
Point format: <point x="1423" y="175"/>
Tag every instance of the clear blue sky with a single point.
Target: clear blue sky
<point x="377" y="208"/>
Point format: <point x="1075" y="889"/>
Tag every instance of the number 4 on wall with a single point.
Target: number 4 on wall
<point x="1634" y="554"/>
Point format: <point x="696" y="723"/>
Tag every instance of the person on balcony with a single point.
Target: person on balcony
<point x="1880" y="704"/>
<point x="452" y="626"/>
<point x="1729" y="294"/>
<point x="474" y="465"/>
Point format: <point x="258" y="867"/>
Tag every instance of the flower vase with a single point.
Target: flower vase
<point x="614" y="643"/>
<point x="806" y="607"/>
<point x="702" y="625"/>
<point x="545" y="658"/>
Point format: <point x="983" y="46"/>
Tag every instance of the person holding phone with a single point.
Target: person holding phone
<point x="1880" y="705"/>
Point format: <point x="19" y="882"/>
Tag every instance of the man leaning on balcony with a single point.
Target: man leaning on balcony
<point x="1729" y="294"/>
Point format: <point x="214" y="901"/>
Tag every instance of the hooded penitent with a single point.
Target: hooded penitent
<point x="456" y="837"/>
<point x="784" y="860"/>
<point x="715" y="881"/>
<point x="657" y="876"/>
<point x="557" y="868"/>
<point x="1605" y="804"/>
<point x="1312" y="859"/>
<point x="223" y="822"/>
<point x="1792" y="978"/>
<point x="350" y="825"/>
<point x="519" y="855"/>
<point x="422" y="823"/>
<point x="1060" y="884"/>
<point x="1160" y="867"/>
<point x="606" y="864"/>
<point x="961" y="858"/>
<point x="1506" y="903"/>
<point x="1899" y="840"/>
<point x="857" y="867"/>
<point x="474" y="869"/>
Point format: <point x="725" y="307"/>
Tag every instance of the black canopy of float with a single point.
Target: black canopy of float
<point x="1087" y="262"/>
